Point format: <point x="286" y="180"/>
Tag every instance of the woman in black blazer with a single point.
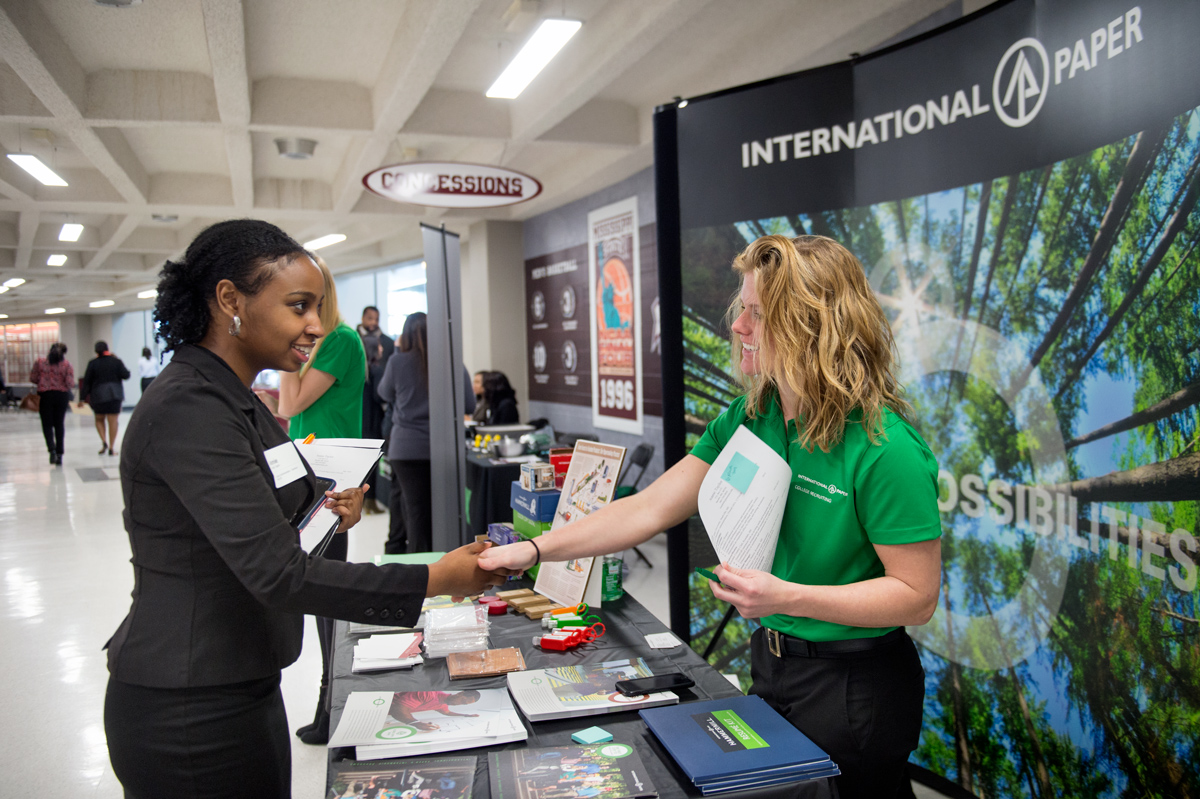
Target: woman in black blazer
<point x="213" y="490"/>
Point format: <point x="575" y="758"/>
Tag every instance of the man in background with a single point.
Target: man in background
<point x="379" y="347"/>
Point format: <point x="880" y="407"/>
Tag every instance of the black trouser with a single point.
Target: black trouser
<point x="337" y="550"/>
<point x="412" y="481"/>
<point x="864" y="709"/>
<point x="397" y="540"/>
<point x="52" y="407"/>
<point x="146" y="381"/>
<point x="217" y="741"/>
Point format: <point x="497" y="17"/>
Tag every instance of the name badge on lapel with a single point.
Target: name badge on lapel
<point x="285" y="464"/>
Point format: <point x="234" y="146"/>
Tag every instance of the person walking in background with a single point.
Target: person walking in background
<point x="325" y="399"/>
<point x="500" y="398"/>
<point x="53" y="379"/>
<point x="378" y="347"/>
<point x="147" y="368"/>
<point x="102" y="388"/>
<point x="405" y="388"/>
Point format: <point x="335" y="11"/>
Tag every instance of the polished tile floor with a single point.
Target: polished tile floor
<point x="64" y="561"/>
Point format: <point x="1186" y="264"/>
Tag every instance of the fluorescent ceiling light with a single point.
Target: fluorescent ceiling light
<point x="56" y="310"/>
<point x="545" y="43"/>
<point x="13" y="282"/>
<point x="100" y="304"/>
<point x="56" y="260"/>
<point x="3" y="316"/>
<point x="324" y="241"/>
<point x="70" y="232"/>
<point x="34" y="166"/>
<point x="3" y="289"/>
<point x="147" y="295"/>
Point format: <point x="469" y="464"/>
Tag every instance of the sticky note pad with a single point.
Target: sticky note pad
<point x="740" y="472"/>
<point x="592" y="735"/>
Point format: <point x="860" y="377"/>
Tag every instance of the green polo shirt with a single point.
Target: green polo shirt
<point x="840" y="504"/>
<point x="338" y="412"/>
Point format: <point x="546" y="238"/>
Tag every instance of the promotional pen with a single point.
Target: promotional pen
<point x="710" y="575"/>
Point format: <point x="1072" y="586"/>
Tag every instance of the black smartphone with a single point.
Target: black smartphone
<point x="655" y="684"/>
<point x="323" y="484"/>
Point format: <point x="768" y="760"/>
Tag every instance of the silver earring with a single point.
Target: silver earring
<point x="235" y="327"/>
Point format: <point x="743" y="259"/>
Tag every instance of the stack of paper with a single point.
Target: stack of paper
<point x="382" y="724"/>
<point x="736" y="744"/>
<point x="585" y="690"/>
<point x="383" y="652"/>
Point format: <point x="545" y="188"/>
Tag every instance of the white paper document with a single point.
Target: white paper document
<point x="346" y="461"/>
<point x="742" y="500"/>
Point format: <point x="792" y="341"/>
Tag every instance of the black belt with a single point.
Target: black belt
<point x="780" y="644"/>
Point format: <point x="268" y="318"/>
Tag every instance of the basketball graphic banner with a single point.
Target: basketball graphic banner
<point x="615" y="297"/>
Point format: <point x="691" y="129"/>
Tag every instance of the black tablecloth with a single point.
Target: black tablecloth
<point x="627" y="624"/>
<point x="490" y="485"/>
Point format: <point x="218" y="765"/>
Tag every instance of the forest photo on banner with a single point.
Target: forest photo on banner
<point x="1043" y="286"/>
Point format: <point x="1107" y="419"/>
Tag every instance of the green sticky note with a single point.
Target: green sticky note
<point x="592" y="735"/>
<point x="740" y="472"/>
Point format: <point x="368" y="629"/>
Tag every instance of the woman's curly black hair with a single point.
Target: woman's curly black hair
<point x="239" y="250"/>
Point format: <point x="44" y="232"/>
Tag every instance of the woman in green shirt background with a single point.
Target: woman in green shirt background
<point x="325" y="399"/>
<point x="859" y="551"/>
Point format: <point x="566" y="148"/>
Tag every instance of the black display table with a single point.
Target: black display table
<point x="490" y="487"/>
<point x="627" y="623"/>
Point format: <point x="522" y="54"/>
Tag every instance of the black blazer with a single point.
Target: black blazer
<point x="102" y="378"/>
<point x="220" y="581"/>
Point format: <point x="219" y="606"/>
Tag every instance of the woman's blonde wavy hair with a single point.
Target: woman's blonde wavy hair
<point x="825" y="337"/>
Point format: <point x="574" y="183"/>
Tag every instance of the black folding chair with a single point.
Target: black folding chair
<point x="640" y="457"/>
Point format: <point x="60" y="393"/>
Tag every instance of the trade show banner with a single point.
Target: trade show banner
<point x="1021" y="189"/>
<point x="613" y="272"/>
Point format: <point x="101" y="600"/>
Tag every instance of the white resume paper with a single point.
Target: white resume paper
<point x="742" y="500"/>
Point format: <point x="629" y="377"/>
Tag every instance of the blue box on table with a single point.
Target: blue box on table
<point x="536" y="505"/>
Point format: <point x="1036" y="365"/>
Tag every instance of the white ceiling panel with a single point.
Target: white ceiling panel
<point x="170" y="108"/>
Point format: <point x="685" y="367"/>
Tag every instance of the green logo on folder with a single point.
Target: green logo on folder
<point x="740" y="730"/>
<point x="740" y="472"/>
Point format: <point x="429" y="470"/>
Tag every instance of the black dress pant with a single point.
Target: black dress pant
<point x="397" y="540"/>
<point x="864" y="709"/>
<point x="193" y="743"/>
<point x="52" y="407"/>
<point x="337" y="549"/>
<point x="414" y="482"/>
<point x="146" y="381"/>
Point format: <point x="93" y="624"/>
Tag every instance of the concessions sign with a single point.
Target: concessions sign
<point x="1022" y="188"/>
<point x="439" y="184"/>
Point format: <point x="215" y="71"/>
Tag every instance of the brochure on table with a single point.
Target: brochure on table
<point x="382" y="724"/>
<point x="590" y="484"/>
<point x="742" y="500"/>
<point x="611" y="770"/>
<point x="427" y="778"/>
<point x="346" y="461"/>
<point x="584" y="690"/>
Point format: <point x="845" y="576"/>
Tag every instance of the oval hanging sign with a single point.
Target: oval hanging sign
<point x="452" y="185"/>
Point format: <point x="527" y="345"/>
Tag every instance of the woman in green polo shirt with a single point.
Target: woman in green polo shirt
<point x="859" y="558"/>
<point x="325" y="399"/>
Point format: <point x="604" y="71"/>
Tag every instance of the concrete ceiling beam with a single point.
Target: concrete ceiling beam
<point x="112" y="239"/>
<point x="424" y="40"/>
<point x="225" y="28"/>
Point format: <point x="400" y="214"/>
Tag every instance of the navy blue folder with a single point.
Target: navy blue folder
<point x="734" y="740"/>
